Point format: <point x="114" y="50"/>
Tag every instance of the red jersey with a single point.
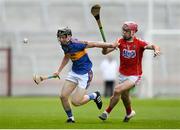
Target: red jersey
<point x="131" y="54"/>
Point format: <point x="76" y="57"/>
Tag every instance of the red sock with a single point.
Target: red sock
<point x="109" y="109"/>
<point x="128" y="110"/>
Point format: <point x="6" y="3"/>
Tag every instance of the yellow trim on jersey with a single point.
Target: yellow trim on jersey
<point x="77" y="55"/>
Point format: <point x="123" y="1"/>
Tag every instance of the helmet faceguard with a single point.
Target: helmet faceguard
<point x="64" y="31"/>
<point x="131" y="26"/>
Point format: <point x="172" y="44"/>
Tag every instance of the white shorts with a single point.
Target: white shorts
<point x="83" y="81"/>
<point x="135" y="79"/>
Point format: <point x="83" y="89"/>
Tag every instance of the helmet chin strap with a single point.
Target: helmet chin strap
<point x="67" y="42"/>
<point x="131" y="37"/>
<point x="128" y="39"/>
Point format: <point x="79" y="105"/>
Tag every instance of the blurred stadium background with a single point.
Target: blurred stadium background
<point x="38" y="20"/>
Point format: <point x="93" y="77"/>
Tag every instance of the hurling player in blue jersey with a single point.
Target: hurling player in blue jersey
<point x="80" y="76"/>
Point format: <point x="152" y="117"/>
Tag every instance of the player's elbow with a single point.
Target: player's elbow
<point x="104" y="52"/>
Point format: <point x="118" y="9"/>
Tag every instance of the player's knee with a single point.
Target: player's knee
<point x="63" y="96"/>
<point x="115" y="95"/>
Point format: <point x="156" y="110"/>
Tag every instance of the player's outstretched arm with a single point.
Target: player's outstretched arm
<point x="156" y="49"/>
<point x="62" y="65"/>
<point x="91" y="44"/>
<point x="107" y="50"/>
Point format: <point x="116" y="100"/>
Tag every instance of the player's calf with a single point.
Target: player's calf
<point x="76" y="102"/>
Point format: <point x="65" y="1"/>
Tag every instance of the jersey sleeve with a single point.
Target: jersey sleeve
<point x="143" y="43"/>
<point x="119" y="40"/>
<point x="79" y="46"/>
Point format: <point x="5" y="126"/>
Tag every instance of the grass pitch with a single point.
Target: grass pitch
<point x="47" y="112"/>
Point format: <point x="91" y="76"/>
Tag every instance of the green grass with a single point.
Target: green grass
<point x="47" y="112"/>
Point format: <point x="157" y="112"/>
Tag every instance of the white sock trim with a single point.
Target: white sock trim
<point x="72" y="117"/>
<point x="95" y="95"/>
<point x="106" y="112"/>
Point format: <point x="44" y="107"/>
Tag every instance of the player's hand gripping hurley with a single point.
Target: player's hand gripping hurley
<point x="37" y="79"/>
<point x="95" y="11"/>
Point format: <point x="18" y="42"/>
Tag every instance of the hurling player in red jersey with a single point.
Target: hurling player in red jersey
<point x="130" y="69"/>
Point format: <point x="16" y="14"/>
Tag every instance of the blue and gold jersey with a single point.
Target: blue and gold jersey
<point x="77" y="53"/>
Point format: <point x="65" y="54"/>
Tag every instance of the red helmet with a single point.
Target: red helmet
<point x="131" y="25"/>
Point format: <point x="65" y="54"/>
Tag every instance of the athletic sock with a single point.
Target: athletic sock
<point x="128" y="110"/>
<point x="69" y="113"/>
<point x="72" y="117"/>
<point x="108" y="110"/>
<point x="92" y="96"/>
